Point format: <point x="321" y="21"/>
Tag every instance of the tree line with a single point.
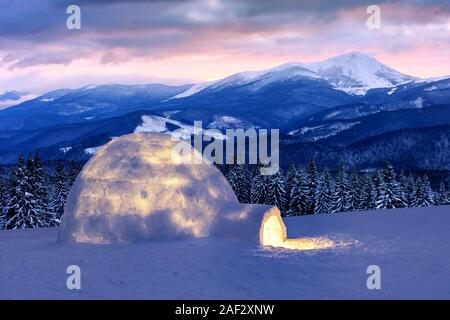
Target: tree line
<point x="32" y="198"/>
<point x="308" y="191"/>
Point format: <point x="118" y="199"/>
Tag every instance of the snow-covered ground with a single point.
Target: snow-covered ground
<point x="411" y="246"/>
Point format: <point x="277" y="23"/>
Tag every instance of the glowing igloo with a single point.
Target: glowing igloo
<point x="138" y="188"/>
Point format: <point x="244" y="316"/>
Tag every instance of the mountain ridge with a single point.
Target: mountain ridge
<point x="332" y="103"/>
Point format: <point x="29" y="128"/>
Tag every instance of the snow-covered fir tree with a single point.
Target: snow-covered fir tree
<point x="424" y="195"/>
<point x="239" y="179"/>
<point x="73" y="171"/>
<point x="410" y="190"/>
<point x="38" y="181"/>
<point x="277" y="184"/>
<point x="24" y="208"/>
<point x="324" y="193"/>
<point x="367" y="199"/>
<point x="442" y="196"/>
<point x="2" y="220"/>
<point x="312" y="186"/>
<point x="354" y="192"/>
<point x="58" y="193"/>
<point x="260" y="187"/>
<point x="390" y="194"/>
<point x="3" y="201"/>
<point x="341" y="193"/>
<point x="379" y="188"/>
<point x="291" y="173"/>
<point x="403" y="184"/>
<point x="299" y="196"/>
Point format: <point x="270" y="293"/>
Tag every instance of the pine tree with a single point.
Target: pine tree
<point x="290" y="175"/>
<point x="38" y="181"/>
<point x="244" y="185"/>
<point x="239" y="179"/>
<point x="299" y="194"/>
<point x="74" y="169"/>
<point x="390" y="195"/>
<point x="58" y="194"/>
<point x="341" y="194"/>
<point x="367" y="200"/>
<point x="410" y="191"/>
<point x="380" y="189"/>
<point x="403" y="184"/>
<point x="26" y="206"/>
<point x="312" y="186"/>
<point x="38" y="176"/>
<point x="2" y="219"/>
<point x="324" y="193"/>
<point x="442" y="196"/>
<point x="3" y="199"/>
<point x="424" y="194"/>
<point x="354" y="191"/>
<point x="22" y="211"/>
<point x="277" y="185"/>
<point x="260" y="187"/>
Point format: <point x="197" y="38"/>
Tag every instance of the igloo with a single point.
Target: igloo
<point x="137" y="187"/>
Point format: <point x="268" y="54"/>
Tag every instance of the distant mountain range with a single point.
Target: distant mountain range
<point x="343" y="106"/>
<point x="10" y="98"/>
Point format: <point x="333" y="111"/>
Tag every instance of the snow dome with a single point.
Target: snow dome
<point x="137" y="188"/>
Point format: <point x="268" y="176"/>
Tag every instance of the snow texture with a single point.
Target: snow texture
<point x="410" y="245"/>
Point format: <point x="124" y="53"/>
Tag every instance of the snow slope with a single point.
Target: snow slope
<point x="192" y="90"/>
<point x="411" y="246"/>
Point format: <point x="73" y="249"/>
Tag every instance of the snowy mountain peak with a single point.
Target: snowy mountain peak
<point x="262" y="78"/>
<point x="356" y="73"/>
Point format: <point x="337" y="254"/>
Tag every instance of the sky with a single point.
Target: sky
<point x="188" y="41"/>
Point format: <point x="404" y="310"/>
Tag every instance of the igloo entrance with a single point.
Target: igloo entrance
<point x="273" y="233"/>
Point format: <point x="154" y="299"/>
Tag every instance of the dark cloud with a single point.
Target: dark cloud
<point x="26" y="59"/>
<point x="162" y="27"/>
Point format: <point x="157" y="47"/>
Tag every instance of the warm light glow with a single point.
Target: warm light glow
<point x="273" y="233"/>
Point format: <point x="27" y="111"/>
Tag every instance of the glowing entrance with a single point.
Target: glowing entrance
<point x="273" y="233"/>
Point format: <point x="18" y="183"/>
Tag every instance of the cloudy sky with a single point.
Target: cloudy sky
<point x="184" y="41"/>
